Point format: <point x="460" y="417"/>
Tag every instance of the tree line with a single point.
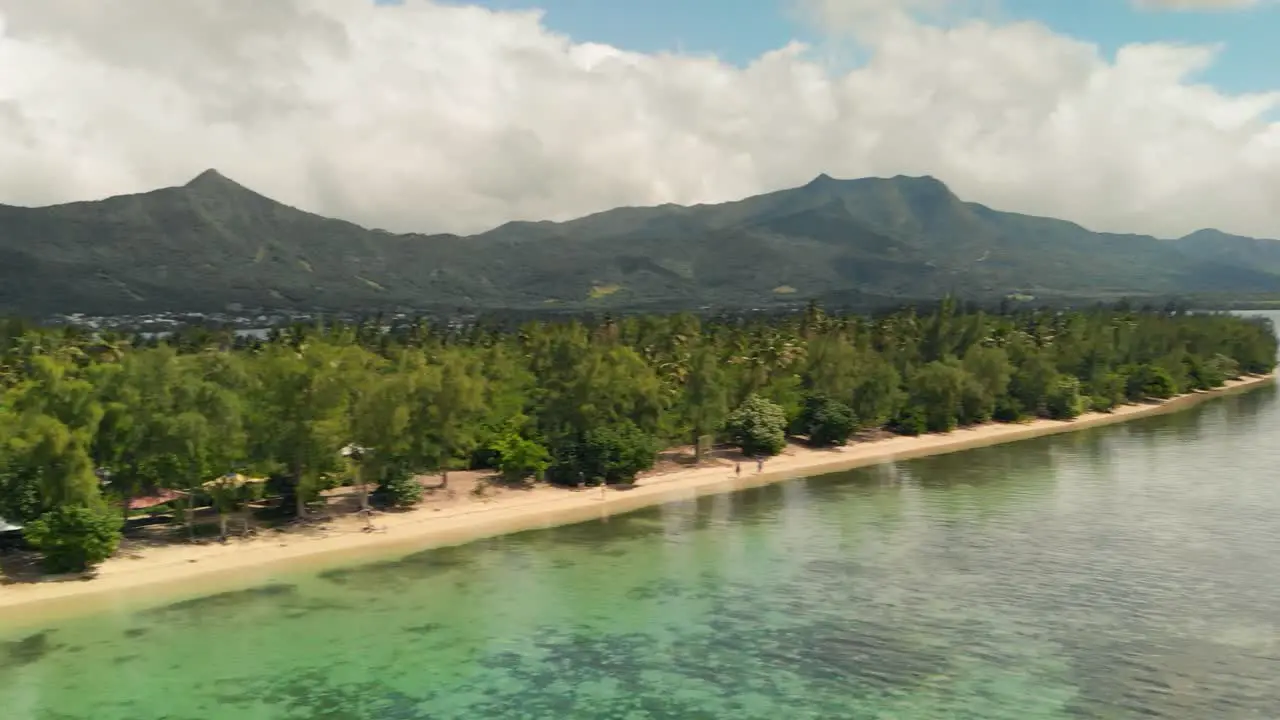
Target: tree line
<point x="89" y="421"/>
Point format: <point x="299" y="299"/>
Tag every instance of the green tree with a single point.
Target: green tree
<point x="938" y="389"/>
<point x="610" y="454"/>
<point x="833" y="367"/>
<point x="201" y="434"/>
<point x="74" y="538"/>
<point x="455" y="412"/>
<point x="1223" y="367"/>
<point x="826" y="421"/>
<point x="911" y="421"/>
<point x="1149" y="381"/>
<point x="519" y="457"/>
<point x="20" y="496"/>
<point x="165" y="424"/>
<point x="1106" y="390"/>
<point x="1064" y="401"/>
<point x="1035" y="377"/>
<point x="397" y="486"/>
<point x="878" y="396"/>
<point x="379" y="424"/>
<point x="47" y="466"/>
<point x="300" y="418"/>
<point x="758" y="426"/>
<point x="54" y="415"/>
<point x="991" y="371"/>
<point x="706" y="397"/>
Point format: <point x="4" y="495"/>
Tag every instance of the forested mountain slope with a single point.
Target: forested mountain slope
<point x="213" y="243"/>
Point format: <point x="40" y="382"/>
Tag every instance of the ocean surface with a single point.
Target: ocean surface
<point x="1130" y="571"/>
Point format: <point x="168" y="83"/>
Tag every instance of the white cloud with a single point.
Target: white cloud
<point x="430" y="117"/>
<point x="1196" y="4"/>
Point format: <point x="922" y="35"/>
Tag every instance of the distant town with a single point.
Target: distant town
<point x="254" y="321"/>
<point x="250" y="322"/>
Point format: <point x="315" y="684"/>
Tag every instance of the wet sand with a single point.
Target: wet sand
<point x="159" y="573"/>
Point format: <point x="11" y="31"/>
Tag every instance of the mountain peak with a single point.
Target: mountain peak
<point x="1207" y="233"/>
<point x="923" y="188"/>
<point x="211" y="178"/>
<point x="209" y="175"/>
<point x="918" y="180"/>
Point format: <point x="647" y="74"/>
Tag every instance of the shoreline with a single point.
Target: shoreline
<point x="181" y="570"/>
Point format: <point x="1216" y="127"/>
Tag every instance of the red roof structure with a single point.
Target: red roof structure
<point x="160" y="498"/>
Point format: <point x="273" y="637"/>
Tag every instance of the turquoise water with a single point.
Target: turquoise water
<point x="1123" y="572"/>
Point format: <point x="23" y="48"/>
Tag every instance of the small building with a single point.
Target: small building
<point x="232" y="481"/>
<point x="150" y="501"/>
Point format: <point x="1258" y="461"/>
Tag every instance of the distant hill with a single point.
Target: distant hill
<point x="212" y="243"/>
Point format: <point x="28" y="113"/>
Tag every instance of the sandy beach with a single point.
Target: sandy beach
<point x="159" y="572"/>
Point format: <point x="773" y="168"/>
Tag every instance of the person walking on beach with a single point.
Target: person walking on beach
<point x="737" y="469"/>
<point x="759" y="465"/>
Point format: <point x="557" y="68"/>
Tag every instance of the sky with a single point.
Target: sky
<point x="1151" y="116"/>
<point x="739" y="31"/>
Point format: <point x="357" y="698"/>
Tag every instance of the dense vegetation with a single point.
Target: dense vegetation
<point x="89" y="421"/>
<point x="863" y="243"/>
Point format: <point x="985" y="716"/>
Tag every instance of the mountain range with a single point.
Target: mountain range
<point x="213" y="244"/>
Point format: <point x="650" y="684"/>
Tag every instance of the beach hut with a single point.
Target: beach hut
<point x="228" y="493"/>
<point x="232" y="481"/>
<point x="357" y="454"/>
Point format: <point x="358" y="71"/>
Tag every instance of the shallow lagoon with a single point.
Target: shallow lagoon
<point x="1126" y="571"/>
